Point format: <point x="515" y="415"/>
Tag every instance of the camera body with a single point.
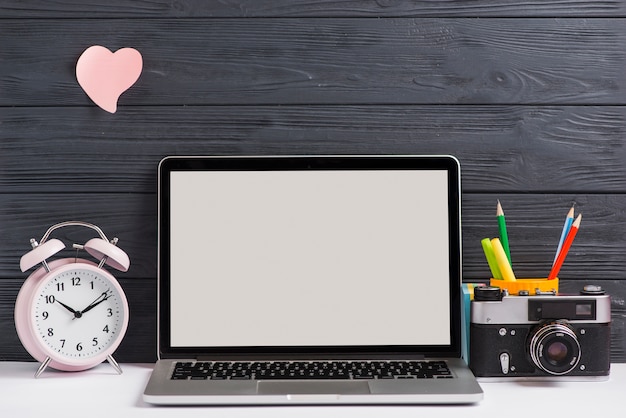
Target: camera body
<point x="545" y="336"/>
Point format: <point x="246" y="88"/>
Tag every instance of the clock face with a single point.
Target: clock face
<point x="79" y="313"/>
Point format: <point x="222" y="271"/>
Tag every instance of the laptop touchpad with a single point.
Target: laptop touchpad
<point x="312" y="387"/>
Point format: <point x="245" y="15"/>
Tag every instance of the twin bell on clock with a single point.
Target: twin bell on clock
<point x="71" y="314"/>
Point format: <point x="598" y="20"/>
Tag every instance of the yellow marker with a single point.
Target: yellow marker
<point x="491" y="258"/>
<point x="502" y="260"/>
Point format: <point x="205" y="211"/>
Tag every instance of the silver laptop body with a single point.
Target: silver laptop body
<point x="309" y="262"/>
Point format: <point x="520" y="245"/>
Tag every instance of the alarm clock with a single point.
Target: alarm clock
<point x="71" y="314"/>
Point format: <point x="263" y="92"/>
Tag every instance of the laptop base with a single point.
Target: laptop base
<point x="161" y="390"/>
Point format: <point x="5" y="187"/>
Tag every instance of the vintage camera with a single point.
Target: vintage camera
<point x="544" y="336"/>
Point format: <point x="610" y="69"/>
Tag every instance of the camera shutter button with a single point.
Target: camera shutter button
<point x="504" y="362"/>
<point x="592" y="290"/>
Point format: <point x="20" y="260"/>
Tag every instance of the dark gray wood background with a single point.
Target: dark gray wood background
<point x="530" y="96"/>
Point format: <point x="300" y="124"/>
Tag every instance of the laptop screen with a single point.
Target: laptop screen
<point x="308" y="254"/>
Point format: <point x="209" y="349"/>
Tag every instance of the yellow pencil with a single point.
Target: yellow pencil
<point x="502" y="260"/>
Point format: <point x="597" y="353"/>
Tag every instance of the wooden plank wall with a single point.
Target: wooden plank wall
<point x="530" y="96"/>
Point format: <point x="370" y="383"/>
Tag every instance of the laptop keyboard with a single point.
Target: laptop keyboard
<point x="307" y="370"/>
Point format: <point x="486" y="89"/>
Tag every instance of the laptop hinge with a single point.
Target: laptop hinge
<point x="277" y="357"/>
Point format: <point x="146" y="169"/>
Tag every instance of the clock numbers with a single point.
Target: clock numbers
<point x="82" y="314"/>
<point x="75" y="282"/>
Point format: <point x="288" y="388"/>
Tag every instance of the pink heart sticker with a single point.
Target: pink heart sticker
<point x="105" y="75"/>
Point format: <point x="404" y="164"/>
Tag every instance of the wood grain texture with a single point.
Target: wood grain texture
<point x="564" y="149"/>
<point x="139" y="344"/>
<point x="130" y="217"/>
<point x="530" y="96"/>
<point x="534" y="223"/>
<point x="306" y="8"/>
<point x="325" y="61"/>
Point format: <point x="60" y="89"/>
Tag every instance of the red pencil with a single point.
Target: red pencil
<point x="565" y="248"/>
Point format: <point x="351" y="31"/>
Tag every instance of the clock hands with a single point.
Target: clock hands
<point x="104" y="296"/>
<point x="78" y="314"/>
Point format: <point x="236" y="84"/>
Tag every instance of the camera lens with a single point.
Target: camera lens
<point x="557" y="352"/>
<point x="554" y="348"/>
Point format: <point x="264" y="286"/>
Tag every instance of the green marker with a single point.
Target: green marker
<point x="491" y="259"/>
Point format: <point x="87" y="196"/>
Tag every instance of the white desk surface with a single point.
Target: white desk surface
<point x="100" y="392"/>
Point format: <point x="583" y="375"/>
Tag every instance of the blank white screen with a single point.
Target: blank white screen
<point x="309" y="258"/>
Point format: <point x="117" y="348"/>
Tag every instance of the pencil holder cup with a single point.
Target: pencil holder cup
<point x="532" y="286"/>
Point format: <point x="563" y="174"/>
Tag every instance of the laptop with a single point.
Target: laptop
<point x="309" y="280"/>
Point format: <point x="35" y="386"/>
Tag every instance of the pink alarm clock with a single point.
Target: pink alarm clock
<point x="71" y="314"/>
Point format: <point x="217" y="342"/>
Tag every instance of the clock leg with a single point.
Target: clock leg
<point x="43" y="366"/>
<point x="113" y="363"/>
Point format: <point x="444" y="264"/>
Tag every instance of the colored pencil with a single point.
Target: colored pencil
<point x="504" y="236"/>
<point x="565" y="249"/>
<point x="568" y="224"/>
<point x="503" y="261"/>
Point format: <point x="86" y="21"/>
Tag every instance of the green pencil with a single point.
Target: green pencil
<point x="504" y="237"/>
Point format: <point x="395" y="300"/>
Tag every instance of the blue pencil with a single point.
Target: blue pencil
<point x="569" y="219"/>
